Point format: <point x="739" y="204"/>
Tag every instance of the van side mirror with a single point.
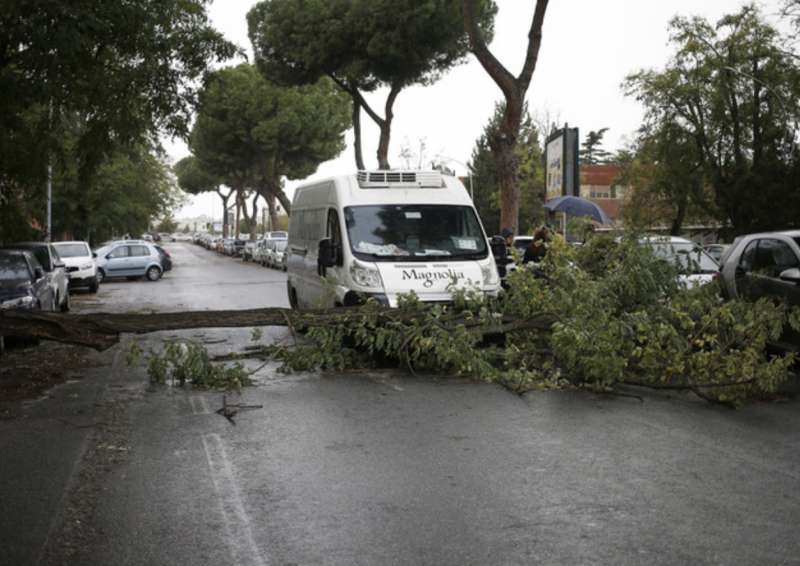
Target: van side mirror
<point x="499" y="250"/>
<point x="94" y="255"/>
<point x="327" y="253"/>
<point x="791" y="276"/>
<point x="38" y="273"/>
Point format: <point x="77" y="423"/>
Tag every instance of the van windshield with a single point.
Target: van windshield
<point x="415" y="232"/>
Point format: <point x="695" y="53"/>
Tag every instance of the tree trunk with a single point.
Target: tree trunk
<point x="357" y="134"/>
<point x="224" y="213"/>
<point x="273" y="213"/>
<point x="238" y="209"/>
<point x="386" y="128"/>
<point x="101" y="330"/>
<point x="503" y="144"/>
<point x="680" y="216"/>
<point x="514" y="90"/>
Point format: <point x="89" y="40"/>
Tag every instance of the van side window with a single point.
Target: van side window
<point x="748" y="257"/>
<point x="774" y="257"/>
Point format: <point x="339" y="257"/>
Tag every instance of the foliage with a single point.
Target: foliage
<point x="250" y="132"/>
<point x="185" y="361"/>
<point x="592" y="152"/>
<point x="530" y="176"/>
<point x="622" y="317"/>
<point x="733" y="89"/>
<point x="167" y="225"/>
<point x="665" y="173"/>
<point x="361" y="44"/>
<point x="82" y="82"/>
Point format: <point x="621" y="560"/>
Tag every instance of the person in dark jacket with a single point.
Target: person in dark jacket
<point x="537" y="249"/>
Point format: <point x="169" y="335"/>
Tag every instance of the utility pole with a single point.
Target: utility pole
<point x="49" y="235"/>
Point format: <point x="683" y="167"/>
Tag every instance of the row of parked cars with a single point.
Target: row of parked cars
<point x="268" y="250"/>
<point x="41" y="275"/>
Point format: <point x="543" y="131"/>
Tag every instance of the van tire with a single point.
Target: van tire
<point x="292" y="297"/>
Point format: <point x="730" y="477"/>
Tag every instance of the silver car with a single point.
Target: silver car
<point x="766" y="264"/>
<point x="129" y="260"/>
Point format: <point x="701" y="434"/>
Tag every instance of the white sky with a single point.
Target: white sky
<point x="589" y="47"/>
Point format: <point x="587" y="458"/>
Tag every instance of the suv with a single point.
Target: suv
<point x="81" y="267"/>
<point x="129" y="260"/>
<point x="55" y="269"/>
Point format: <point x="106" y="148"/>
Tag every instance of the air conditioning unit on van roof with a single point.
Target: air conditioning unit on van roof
<point x="400" y="180"/>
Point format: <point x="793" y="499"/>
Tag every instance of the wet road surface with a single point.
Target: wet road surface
<point x="385" y="468"/>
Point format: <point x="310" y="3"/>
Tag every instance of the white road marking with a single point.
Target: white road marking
<point x="199" y="405"/>
<point x="243" y="547"/>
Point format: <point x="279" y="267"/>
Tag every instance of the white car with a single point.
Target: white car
<point x="81" y="266"/>
<point x="695" y="266"/>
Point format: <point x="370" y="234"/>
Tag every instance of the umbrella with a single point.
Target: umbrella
<point x="576" y="206"/>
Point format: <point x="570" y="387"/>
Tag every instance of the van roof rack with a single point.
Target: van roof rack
<point x="400" y="180"/>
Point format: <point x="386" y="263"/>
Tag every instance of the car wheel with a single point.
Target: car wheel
<point x="100" y="276"/>
<point x="94" y="286"/>
<point x="153" y="274"/>
<point x="65" y="306"/>
<point x="292" y="297"/>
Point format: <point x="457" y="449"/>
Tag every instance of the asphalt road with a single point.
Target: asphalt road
<point x="380" y="468"/>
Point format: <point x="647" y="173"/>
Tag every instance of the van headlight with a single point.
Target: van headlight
<point x="86" y="266"/>
<point x="365" y="275"/>
<point x="490" y="276"/>
<point x="18" y="303"/>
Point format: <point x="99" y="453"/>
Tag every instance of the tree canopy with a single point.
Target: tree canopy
<point x="251" y="132"/>
<point x="126" y="71"/>
<point x="733" y="89"/>
<point x="592" y="152"/>
<point x="362" y="45"/>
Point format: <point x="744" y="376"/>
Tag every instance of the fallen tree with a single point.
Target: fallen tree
<point x="102" y="330"/>
<point x="607" y="314"/>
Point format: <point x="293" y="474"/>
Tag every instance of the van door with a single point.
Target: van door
<point x="316" y="291"/>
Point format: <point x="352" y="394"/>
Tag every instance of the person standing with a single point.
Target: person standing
<point x="537" y="249"/>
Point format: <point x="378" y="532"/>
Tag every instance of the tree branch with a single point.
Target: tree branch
<point x="534" y="44"/>
<point x="500" y="75"/>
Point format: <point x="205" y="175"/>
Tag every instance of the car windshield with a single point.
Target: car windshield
<point x="687" y="257"/>
<point x="13" y="268"/>
<point x="72" y="250"/>
<point x="414" y="232"/>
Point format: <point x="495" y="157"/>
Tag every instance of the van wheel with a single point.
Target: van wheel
<point x="153" y="274"/>
<point x="94" y="286"/>
<point x="100" y="276"/>
<point x="292" y="297"/>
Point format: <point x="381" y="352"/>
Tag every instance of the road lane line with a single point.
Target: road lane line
<point x="243" y="547"/>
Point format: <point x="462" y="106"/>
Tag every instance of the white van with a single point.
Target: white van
<point x="381" y="234"/>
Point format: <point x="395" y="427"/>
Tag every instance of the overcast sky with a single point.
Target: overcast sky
<point x="589" y="47"/>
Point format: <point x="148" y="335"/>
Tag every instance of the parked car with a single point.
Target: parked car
<point x="24" y="283"/>
<point x="765" y="265"/>
<point x="276" y="249"/>
<point x="249" y="250"/>
<point x="716" y="251"/>
<point x="695" y="266"/>
<point x="166" y="259"/>
<point x="54" y="267"/>
<point x="81" y="267"/>
<point x="129" y="260"/>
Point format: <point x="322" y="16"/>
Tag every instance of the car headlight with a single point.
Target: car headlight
<point x="490" y="275"/>
<point x="18" y="303"/>
<point x="365" y="275"/>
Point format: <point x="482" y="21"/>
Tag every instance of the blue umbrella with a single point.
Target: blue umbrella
<point x="576" y="206"/>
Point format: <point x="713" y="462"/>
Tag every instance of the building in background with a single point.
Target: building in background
<point x="599" y="183"/>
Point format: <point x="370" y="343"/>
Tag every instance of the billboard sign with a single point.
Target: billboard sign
<point x="561" y="164"/>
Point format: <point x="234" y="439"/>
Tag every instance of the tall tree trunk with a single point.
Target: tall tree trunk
<point x="357" y="134"/>
<point x="514" y="90"/>
<point x="386" y="128"/>
<point x="225" y="199"/>
<point x="238" y="209"/>
<point x="680" y="216"/>
<point x="273" y="213"/>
